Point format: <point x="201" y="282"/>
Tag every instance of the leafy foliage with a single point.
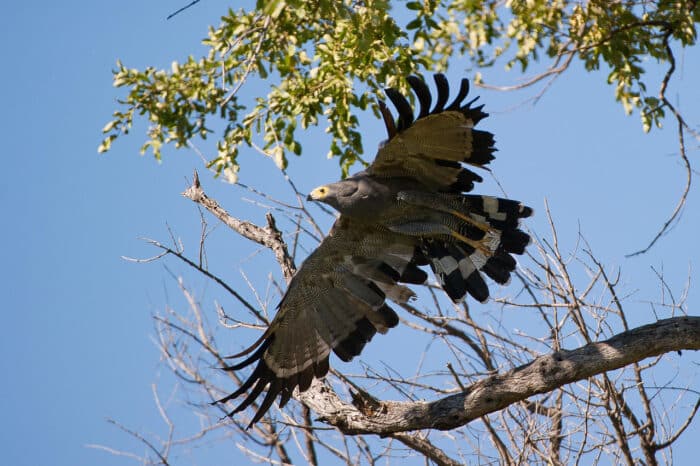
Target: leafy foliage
<point x="319" y="52"/>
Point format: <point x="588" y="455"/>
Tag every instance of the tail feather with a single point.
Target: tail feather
<point x="464" y="235"/>
<point x="456" y="271"/>
<point x="515" y="241"/>
<point x="499" y="266"/>
<point x="499" y="213"/>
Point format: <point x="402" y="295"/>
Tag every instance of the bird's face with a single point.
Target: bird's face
<point x="326" y="194"/>
<point x="335" y="195"/>
<point x="319" y="194"/>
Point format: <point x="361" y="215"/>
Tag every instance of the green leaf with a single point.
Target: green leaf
<point x="110" y="126"/>
<point x="106" y="144"/>
<point x="415" y="24"/>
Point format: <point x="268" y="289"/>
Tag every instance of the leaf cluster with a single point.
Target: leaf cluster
<point x="329" y="60"/>
<point x="621" y="37"/>
<point x="314" y="50"/>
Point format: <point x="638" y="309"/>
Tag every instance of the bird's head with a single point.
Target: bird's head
<point x="335" y="194"/>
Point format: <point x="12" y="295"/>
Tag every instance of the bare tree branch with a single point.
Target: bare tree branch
<point x="542" y="375"/>
<point x="181" y="9"/>
<point x="269" y="237"/>
<point x="682" y="127"/>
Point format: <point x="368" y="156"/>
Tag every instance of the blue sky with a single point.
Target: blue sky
<point x="77" y="339"/>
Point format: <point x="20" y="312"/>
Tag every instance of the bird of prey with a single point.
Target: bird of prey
<point x="406" y="210"/>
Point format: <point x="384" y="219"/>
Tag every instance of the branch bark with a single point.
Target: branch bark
<point x="496" y="392"/>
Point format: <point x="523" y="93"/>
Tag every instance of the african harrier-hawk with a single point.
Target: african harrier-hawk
<point x="408" y="209"/>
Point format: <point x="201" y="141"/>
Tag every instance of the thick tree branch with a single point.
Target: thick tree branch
<point x="496" y="392"/>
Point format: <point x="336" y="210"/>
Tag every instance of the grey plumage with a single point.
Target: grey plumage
<point x="406" y="210"/>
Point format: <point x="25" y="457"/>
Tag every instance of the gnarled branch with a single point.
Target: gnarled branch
<point x="496" y="392"/>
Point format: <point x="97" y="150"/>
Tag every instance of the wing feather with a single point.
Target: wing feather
<point x="423" y="94"/>
<point x="463" y="91"/>
<point x="443" y="89"/>
<point x="334" y="303"/>
<point x="403" y="107"/>
<point x="432" y="148"/>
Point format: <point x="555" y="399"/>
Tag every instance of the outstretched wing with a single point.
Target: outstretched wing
<point x="461" y="235"/>
<point x="431" y="147"/>
<point x="335" y="302"/>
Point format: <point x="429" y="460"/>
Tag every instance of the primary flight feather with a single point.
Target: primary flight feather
<point x="406" y="210"/>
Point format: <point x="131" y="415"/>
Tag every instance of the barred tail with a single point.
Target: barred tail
<point x="465" y="235"/>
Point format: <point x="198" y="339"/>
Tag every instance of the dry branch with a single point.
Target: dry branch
<point x="269" y="237"/>
<point x="496" y="392"/>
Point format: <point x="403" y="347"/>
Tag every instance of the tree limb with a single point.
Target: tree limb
<point x="496" y="392"/>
